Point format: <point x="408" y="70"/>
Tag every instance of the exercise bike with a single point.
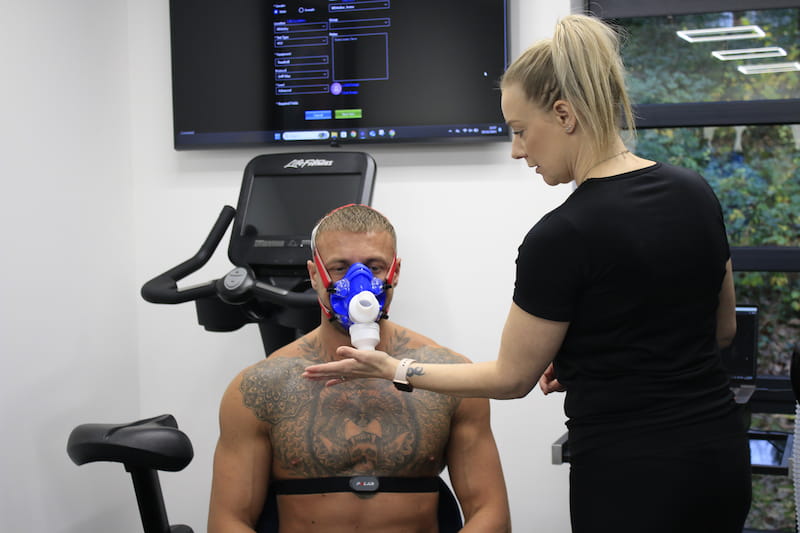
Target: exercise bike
<point x="282" y="197"/>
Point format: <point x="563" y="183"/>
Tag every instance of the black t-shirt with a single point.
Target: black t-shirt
<point x="635" y="263"/>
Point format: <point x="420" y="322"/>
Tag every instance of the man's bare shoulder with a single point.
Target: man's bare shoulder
<point x="402" y="342"/>
<point x="272" y="388"/>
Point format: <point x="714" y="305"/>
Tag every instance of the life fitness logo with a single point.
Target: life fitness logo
<point x="303" y="163"/>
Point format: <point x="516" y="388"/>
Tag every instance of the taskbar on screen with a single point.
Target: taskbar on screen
<point x="486" y="132"/>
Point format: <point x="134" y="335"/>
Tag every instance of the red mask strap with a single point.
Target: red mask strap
<point x="392" y="272"/>
<point x="389" y="283"/>
<point x="323" y="273"/>
<point x="326" y="282"/>
<point x="325" y="310"/>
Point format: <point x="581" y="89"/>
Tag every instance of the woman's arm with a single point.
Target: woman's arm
<point x="527" y="346"/>
<point x="726" y="311"/>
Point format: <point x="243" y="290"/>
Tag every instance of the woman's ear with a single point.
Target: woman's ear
<point x="564" y="114"/>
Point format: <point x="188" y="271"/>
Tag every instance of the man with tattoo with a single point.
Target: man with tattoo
<point x="323" y="450"/>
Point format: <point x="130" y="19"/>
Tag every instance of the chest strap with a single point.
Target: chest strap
<point x="355" y="484"/>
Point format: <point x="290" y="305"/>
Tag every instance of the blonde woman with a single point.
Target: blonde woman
<point x="623" y="296"/>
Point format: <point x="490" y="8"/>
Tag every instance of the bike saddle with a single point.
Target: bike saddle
<point x="154" y="443"/>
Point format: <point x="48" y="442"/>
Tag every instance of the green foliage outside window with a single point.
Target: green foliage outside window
<point x="663" y="68"/>
<point x="755" y="173"/>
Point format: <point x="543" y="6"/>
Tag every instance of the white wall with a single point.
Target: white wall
<point x="68" y="325"/>
<point x="86" y="114"/>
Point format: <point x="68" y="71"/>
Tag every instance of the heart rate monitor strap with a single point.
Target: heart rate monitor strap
<point x="355" y="484"/>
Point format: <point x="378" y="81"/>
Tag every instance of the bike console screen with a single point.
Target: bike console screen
<point x="282" y="198"/>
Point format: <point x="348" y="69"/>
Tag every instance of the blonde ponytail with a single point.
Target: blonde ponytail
<point x="582" y="65"/>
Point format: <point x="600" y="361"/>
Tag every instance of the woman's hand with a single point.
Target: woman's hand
<point x="356" y="364"/>
<point x="549" y="382"/>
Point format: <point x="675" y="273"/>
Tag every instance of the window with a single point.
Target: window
<point x="716" y="63"/>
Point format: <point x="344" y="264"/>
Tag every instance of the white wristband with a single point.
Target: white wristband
<point x="401" y="377"/>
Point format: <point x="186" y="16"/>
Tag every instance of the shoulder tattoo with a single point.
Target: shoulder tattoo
<point x="273" y="389"/>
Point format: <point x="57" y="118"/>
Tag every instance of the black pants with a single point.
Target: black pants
<point x="687" y="489"/>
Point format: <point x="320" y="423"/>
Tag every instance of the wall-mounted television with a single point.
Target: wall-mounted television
<point x="332" y="72"/>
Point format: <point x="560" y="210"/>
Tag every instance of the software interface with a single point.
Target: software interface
<point x="337" y="50"/>
<point x="362" y="62"/>
<point x="330" y="70"/>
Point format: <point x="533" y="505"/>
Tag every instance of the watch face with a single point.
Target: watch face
<point x="405" y="387"/>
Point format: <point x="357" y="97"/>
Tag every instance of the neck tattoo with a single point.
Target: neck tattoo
<point x="609" y="158"/>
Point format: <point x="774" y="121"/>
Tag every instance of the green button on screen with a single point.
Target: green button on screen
<point x="347" y="113"/>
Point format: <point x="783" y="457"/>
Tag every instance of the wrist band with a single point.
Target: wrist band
<point x="401" y="375"/>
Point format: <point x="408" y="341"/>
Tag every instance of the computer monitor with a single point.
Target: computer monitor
<point x="741" y="357"/>
<point x="770" y="451"/>
<point x="336" y="72"/>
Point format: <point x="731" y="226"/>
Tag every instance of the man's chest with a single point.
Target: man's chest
<point x="354" y="429"/>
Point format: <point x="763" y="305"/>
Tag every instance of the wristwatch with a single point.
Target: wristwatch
<point x="400" y="376"/>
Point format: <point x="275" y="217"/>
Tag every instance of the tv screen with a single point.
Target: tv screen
<point x="330" y="72"/>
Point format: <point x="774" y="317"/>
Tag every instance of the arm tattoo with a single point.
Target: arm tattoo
<point x="415" y="371"/>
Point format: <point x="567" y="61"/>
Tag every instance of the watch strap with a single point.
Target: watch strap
<point x="401" y="374"/>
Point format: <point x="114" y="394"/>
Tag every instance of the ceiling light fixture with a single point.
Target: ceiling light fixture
<point x="769" y="68"/>
<point x="721" y="34"/>
<point x="749" y="53"/>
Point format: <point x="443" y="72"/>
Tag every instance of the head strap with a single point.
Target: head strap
<point x="323" y="272"/>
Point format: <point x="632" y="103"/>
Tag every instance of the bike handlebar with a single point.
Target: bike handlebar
<point x="163" y="289"/>
<point x="236" y="287"/>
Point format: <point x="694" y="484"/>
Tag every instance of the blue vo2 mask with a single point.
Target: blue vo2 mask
<point x="359" y="278"/>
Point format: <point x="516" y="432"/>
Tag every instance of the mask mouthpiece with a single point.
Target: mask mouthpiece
<point x="364" y="310"/>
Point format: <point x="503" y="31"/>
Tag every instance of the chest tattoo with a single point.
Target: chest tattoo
<point x="360" y="427"/>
